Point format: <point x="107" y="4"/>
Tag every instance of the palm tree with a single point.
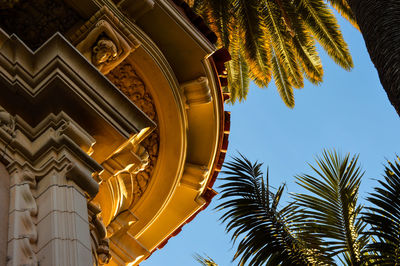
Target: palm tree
<point x="384" y="218"/>
<point x="313" y="230"/>
<point x="379" y="24"/>
<point x="321" y="226"/>
<point x="331" y="211"/>
<point x="275" y="38"/>
<point x="252" y="210"/>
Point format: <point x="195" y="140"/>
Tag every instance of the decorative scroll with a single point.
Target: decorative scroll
<point x="23" y="233"/>
<point x="120" y="186"/>
<point x="196" y="91"/>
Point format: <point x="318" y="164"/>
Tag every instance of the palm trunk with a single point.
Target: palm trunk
<point x="379" y="22"/>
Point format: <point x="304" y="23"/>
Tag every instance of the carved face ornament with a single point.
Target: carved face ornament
<point x="104" y="51"/>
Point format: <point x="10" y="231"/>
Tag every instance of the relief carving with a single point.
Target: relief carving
<point x="100" y="244"/>
<point x="127" y="80"/>
<point x="22" y="229"/>
<point x="104" y="47"/>
<point x="119" y="191"/>
<point x="104" y="40"/>
<point x="7" y="122"/>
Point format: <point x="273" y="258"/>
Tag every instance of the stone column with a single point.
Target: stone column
<point x="51" y="182"/>
<point x="4" y="199"/>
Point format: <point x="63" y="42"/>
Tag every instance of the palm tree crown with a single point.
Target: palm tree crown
<point x="276" y="38"/>
<point x="320" y="227"/>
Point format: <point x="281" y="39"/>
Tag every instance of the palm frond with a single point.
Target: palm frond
<point x="320" y="20"/>
<point x="308" y="57"/>
<point x="331" y="211"/>
<point x="220" y="18"/>
<point x="303" y="44"/>
<point x="238" y="70"/>
<point x="282" y="83"/>
<point x="281" y="41"/>
<point x="289" y="27"/>
<point x="253" y="216"/>
<point x="255" y="41"/>
<point x="384" y="218"/>
<point x="344" y="9"/>
<point x="205" y="261"/>
<point x="239" y="78"/>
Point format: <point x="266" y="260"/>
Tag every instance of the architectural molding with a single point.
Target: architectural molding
<point x="22" y="231"/>
<point x="135" y="8"/>
<point x="62" y="155"/>
<point x="133" y="155"/>
<point x="54" y="64"/>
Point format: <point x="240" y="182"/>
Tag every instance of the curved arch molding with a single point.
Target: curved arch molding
<point x="174" y="76"/>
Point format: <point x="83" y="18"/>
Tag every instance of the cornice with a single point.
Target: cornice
<point x="190" y="28"/>
<point x="33" y="71"/>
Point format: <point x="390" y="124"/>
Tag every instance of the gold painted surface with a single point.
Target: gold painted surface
<point x="126" y="79"/>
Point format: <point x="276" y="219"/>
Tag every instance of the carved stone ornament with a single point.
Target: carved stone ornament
<point x="7" y="122"/>
<point x="22" y="229"/>
<point x="104" y="41"/>
<point x="127" y="80"/>
<point x="128" y="171"/>
<point x="119" y="186"/>
<point x="100" y="244"/>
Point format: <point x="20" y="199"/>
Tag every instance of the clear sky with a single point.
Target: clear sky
<point x="349" y="111"/>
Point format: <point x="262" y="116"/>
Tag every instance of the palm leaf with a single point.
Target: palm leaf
<point x="302" y="42"/>
<point x="282" y="83"/>
<point x="239" y="77"/>
<point x="255" y="40"/>
<point x="252" y="215"/>
<point x="331" y="211"/>
<point x="281" y="41"/>
<point x="238" y="71"/>
<point x="308" y="57"/>
<point x="220" y="18"/>
<point x="205" y="261"/>
<point x="384" y="218"/>
<point x="289" y="27"/>
<point x="320" y="20"/>
<point x="344" y="9"/>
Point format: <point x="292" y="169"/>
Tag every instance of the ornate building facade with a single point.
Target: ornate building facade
<point x="112" y="128"/>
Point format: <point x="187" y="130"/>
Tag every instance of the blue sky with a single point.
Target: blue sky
<point x="349" y="111"/>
